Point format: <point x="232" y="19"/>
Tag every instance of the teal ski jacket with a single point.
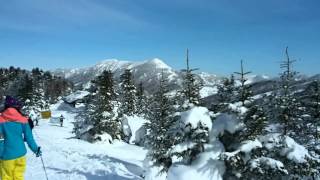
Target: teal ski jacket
<point x="15" y="130"/>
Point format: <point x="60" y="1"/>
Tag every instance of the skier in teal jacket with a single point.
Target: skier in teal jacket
<point x="15" y="130"/>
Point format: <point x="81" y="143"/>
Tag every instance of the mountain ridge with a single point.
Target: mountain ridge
<point x="148" y="72"/>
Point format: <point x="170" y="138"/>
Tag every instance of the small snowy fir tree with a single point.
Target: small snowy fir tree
<point x="127" y="94"/>
<point x="226" y="94"/>
<point x="142" y="101"/>
<point x="190" y="93"/>
<point x="187" y="134"/>
<point x="192" y="140"/>
<point x="286" y="101"/>
<point x="271" y="105"/>
<point x="255" y="121"/>
<point x="244" y="89"/>
<point x="159" y="139"/>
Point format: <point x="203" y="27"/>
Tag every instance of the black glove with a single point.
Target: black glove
<point x="39" y="152"/>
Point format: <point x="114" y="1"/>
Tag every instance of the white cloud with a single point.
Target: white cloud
<point x="44" y="15"/>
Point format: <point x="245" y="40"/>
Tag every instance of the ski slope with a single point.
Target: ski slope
<point x="67" y="158"/>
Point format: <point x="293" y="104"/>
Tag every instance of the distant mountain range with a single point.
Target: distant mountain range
<point x="149" y="73"/>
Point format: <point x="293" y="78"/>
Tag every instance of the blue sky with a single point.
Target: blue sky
<point x="77" y="33"/>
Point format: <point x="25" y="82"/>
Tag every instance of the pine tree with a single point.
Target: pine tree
<point x="141" y="101"/>
<point x="38" y="99"/>
<point x="225" y="95"/>
<point x="159" y="138"/>
<point x="3" y="82"/>
<point x="25" y="93"/>
<point x="255" y="121"/>
<point x="128" y="94"/>
<point x="84" y="119"/>
<point x="102" y="106"/>
<point x="189" y="97"/>
<point x="197" y="137"/>
<point x="191" y="85"/>
<point x="314" y="106"/>
<point x="287" y="101"/>
<point x="244" y="89"/>
<point x="271" y="105"/>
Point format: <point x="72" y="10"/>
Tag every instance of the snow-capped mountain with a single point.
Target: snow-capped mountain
<point x="147" y="72"/>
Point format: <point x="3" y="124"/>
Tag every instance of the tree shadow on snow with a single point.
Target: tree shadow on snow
<point x="90" y="176"/>
<point x="132" y="168"/>
<point x="57" y="125"/>
<point x="212" y="168"/>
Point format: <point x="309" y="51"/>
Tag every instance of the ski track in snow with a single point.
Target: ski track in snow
<point x="67" y="158"/>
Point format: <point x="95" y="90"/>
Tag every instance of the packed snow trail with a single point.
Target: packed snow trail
<point x="67" y="158"/>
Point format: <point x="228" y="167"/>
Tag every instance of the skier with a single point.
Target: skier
<point x="37" y="120"/>
<point x="14" y="129"/>
<point x="61" y="120"/>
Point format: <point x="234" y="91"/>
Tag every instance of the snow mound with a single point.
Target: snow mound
<point x="270" y="140"/>
<point x="248" y="146"/>
<point x="263" y="162"/>
<point x="225" y="122"/>
<point x="291" y="149"/>
<point x="295" y="151"/>
<point x="208" y="91"/>
<point x="237" y="107"/>
<point x="132" y="127"/>
<point x="208" y="166"/>
<point x="104" y="138"/>
<point x="195" y="116"/>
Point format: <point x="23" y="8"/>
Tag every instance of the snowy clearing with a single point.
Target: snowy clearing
<point x="67" y="158"/>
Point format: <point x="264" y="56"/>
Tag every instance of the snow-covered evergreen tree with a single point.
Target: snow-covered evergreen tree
<point x="3" y="82"/>
<point x="190" y="141"/>
<point x="32" y="87"/>
<point x="83" y="126"/>
<point x="190" y="87"/>
<point x="161" y="116"/>
<point x="226" y="94"/>
<point x="38" y="100"/>
<point x="313" y="106"/>
<point x="141" y="106"/>
<point x="25" y="92"/>
<point x="255" y="120"/>
<point x="244" y="89"/>
<point x="102" y="108"/>
<point x="287" y="102"/>
<point x="271" y="105"/>
<point x="127" y="94"/>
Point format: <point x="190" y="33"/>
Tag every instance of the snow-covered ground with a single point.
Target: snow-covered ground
<point x="67" y="158"/>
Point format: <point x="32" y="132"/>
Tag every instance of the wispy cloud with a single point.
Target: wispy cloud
<point x="43" y="15"/>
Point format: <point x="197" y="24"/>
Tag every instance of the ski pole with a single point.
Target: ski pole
<point x="44" y="167"/>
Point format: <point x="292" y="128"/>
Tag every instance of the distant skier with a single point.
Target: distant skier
<point x="61" y="120"/>
<point x="14" y="129"/>
<point x="37" y="120"/>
